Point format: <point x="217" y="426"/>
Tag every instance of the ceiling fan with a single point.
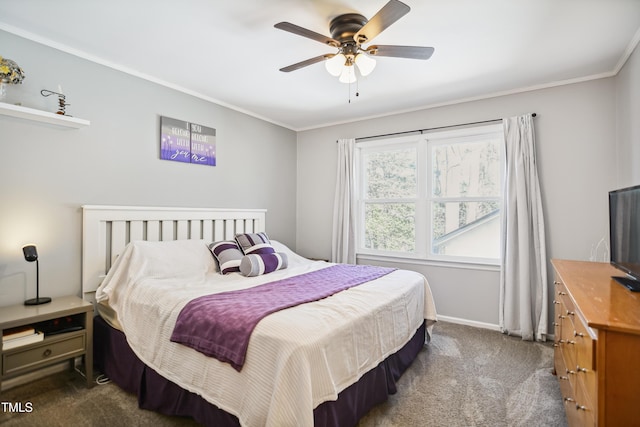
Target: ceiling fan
<point x="348" y="34"/>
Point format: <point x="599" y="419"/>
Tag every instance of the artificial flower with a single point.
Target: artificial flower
<point x="10" y="72"/>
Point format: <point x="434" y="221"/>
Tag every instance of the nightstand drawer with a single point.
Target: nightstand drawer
<point x="52" y="349"/>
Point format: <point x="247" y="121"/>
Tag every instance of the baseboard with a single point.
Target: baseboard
<point x="482" y="325"/>
<point x="467" y="322"/>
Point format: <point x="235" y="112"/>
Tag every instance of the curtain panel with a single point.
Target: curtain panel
<point x="523" y="277"/>
<point x="343" y="241"/>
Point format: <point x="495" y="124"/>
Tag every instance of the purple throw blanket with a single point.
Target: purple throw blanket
<point x="220" y="325"/>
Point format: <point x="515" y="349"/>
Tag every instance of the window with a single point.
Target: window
<point x="434" y="196"/>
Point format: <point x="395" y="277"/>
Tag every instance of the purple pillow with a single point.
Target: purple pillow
<point x="257" y="264"/>
<point x="228" y="255"/>
<point x="254" y="243"/>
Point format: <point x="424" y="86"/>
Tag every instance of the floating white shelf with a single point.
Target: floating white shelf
<point x="42" y="116"/>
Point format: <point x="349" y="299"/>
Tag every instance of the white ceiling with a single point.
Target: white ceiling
<point x="228" y="51"/>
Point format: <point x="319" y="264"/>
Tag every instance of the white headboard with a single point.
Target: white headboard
<point x="106" y="230"/>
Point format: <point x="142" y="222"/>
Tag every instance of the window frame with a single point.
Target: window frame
<point x="423" y="142"/>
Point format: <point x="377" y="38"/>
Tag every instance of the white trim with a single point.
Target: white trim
<point x="81" y="54"/>
<point x="475" y="324"/>
<point x="628" y="51"/>
<point x="429" y="263"/>
<point x="463" y="133"/>
<point x="118" y="67"/>
<point x="469" y="99"/>
<point x="399" y="142"/>
<point x="483" y="325"/>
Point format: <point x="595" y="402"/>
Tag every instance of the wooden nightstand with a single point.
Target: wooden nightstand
<point x="55" y="347"/>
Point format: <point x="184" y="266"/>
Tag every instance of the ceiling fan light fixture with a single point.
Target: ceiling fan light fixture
<point x="349" y="32"/>
<point x="348" y="74"/>
<point x="335" y="65"/>
<point x="365" y="63"/>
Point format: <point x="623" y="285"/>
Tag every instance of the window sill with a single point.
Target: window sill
<point x="431" y="263"/>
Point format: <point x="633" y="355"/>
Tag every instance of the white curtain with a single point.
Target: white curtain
<point x="523" y="278"/>
<point x="343" y="241"/>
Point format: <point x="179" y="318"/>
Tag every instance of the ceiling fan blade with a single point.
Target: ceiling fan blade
<point x="386" y="16"/>
<point x="310" y="61"/>
<point x="295" y="29"/>
<point x="412" y="52"/>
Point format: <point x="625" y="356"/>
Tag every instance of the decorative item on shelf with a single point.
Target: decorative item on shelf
<point x="62" y="103"/>
<point x="10" y="73"/>
<point x="31" y="254"/>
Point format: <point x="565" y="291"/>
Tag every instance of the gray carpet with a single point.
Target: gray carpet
<point x="475" y="377"/>
<point x="464" y="377"/>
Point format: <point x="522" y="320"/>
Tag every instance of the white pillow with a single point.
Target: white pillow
<point x="159" y="260"/>
<point x="174" y="258"/>
<point x="293" y="258"/>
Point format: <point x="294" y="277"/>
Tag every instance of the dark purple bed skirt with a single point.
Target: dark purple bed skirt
<point x="114" y="358"/>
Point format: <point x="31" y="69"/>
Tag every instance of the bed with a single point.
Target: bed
<point x="324" y="362"/>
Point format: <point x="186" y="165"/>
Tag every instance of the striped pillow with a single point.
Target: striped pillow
<point x="254" y="243"/>
<point x="228" y="255"/>
<point x="257" y="264"/>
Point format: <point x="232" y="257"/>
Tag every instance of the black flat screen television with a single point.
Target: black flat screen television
<point x="624" y="235"/>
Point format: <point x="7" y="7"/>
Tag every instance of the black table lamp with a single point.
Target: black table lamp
<point x="31" y="254"/>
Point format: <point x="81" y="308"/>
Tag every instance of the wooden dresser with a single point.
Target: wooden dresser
<point x="597" y="345"/>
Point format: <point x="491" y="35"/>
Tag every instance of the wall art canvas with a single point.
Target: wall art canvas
<point x="203" y="145"/>
<point x="182" y="141"/>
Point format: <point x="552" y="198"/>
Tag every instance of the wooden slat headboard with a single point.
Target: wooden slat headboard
<point x="106" y="230"/>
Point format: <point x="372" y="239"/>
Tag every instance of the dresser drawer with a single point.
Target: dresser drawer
<point x="567" y="340"/>
<point x="585" y="347"/>
<point x="584" y="408"/>
<point x="566" y="389"/>
<point x="558" y="309"/>
<point x="579" y="408"/>
<point x="50" y="350"/>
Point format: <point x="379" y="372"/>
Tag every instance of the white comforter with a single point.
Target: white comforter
<point x="297" y="358"/>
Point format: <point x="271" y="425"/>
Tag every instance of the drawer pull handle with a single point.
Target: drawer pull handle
<point x="46" y="353"/>
<point x="562" y="377"/>
<point x="578" y="334"/>
<point x="571" y="342"/>
<point x="579" y="369"/>
<point x="571" y="372"/>
<point x="555" y="282"/>
<point x="561" y="293"/>
<point x="568" y="399"/>
<point x="570" y="313"/>
<point x="560" y="316"/>
<point x="556" y="324"/>
<point x="580" y="407"/>
<point x="557" y="302"/>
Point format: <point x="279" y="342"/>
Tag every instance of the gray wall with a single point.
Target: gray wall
<point x="628" y="123"/>
<point x="48" y="173"/>
<point x="576" y="148"/>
